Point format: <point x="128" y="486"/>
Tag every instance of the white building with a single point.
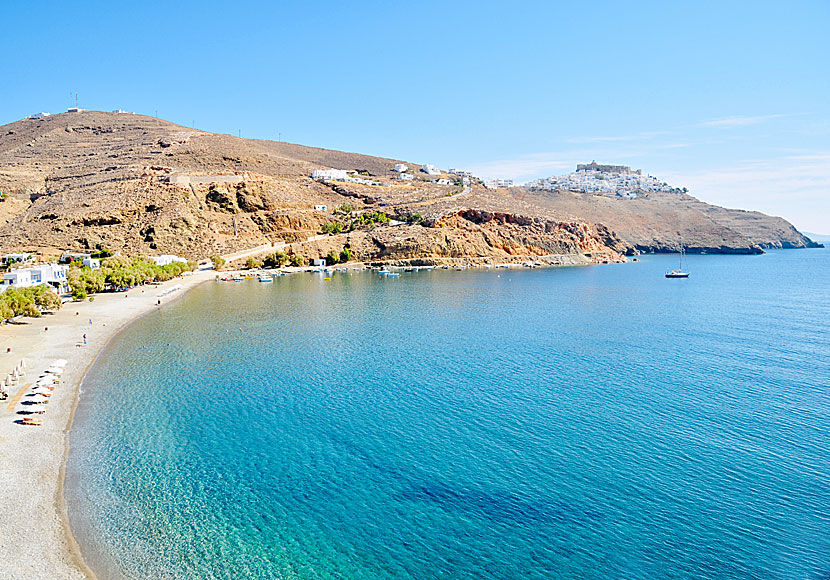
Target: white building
<point x="318" y="262"/>
<point x="38" y="115"/>
<point x="430" y="169"/>
<point x="22" y="258"/>
<point x="92" y="263"/>
<point x="52" y="274"/>
<point x="335" y="174"/>
<point x="498" y="183"/>
<point x="444" y="182"/>
<point x="165" y="259"/>
<point x="400" y="167"/>
<point x="73" y="256"/>
<point x="320" y="208"/>
<point x="20" y="278"/>
<point x="406" y="177"/>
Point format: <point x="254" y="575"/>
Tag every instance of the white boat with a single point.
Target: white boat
<point x="679" y="273"/>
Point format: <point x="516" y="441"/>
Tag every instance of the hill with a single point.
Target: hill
<point x="137" y="184"/>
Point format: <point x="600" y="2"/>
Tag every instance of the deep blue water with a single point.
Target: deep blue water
<point x="599" y="422"/>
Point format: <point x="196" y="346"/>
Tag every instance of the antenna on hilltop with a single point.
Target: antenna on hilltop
<point x="76" y="100"/>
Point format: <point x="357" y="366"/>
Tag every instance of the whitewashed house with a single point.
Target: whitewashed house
<point x="166" y="259"/>
<point x="320" y="208"/>
<point x="73" y="256"/>
<point x="406" y="177"/>
<point x="430" y="169"/>
<point x="52" y="274"/>
<point x="92" y="263"/>
<point x="400" y="167"/>
<point x="38" y="115"/>
<point x="22" y="258"/>
<point x="335" y="174"/>
<point x="318" y="262"/>
<point x="20" y="278"/>
<point x="498" y="183"/>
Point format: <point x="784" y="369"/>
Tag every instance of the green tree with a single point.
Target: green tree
<point x="276" y="260"/>
<point x="297" y="260"/>
<point x="332" y="258"/>
<point x="253" y="263"/>
<point x="218" y="262"/>
<point x="345" y="254"/>
<point x="332" y="228"/>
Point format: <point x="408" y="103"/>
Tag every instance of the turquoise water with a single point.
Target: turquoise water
<point x="598" y="422"/>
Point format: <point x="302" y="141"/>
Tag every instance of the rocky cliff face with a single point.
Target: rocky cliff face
<point x="655" y="222"/>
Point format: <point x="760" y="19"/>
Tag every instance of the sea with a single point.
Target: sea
<point x="597" y="422"/>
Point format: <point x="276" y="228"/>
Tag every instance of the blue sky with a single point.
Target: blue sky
<point x="731" y="99"/>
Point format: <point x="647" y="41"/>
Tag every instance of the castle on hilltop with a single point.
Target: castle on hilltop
<point x="620" y="169"/>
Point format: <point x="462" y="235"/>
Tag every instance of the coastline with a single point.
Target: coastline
<point x="32" y="472"/>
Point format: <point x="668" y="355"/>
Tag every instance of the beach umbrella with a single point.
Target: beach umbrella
<point x="23" y="363"/>
<point x="61" y="362"/>
<point x="55" y="370"/>
<point x="39" y="399"/>
<point x="35" y="409"/>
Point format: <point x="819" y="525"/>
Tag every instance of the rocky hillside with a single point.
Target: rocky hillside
<point x="655" y="221"/>
<point x="138" y="184"/>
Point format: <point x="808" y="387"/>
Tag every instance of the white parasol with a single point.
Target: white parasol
<point x="38" y="399"/>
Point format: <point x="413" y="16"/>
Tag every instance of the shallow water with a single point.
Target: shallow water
<point x="599" y="422"/>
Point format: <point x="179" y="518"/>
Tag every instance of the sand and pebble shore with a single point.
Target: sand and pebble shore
<point x="36" y="542"/>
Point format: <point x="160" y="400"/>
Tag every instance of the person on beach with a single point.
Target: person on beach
<point x="84" y="339"/>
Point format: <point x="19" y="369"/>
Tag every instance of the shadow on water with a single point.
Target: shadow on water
<point x="500" y="506"/>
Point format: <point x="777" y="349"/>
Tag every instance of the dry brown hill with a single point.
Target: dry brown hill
<point x="143" y="185"/>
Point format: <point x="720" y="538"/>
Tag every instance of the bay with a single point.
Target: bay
<point x="593" y="422"/>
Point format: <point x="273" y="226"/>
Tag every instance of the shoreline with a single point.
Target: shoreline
<point x="33" y="471"/>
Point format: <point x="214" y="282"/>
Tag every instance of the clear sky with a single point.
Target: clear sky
<point x="728" y="98"/>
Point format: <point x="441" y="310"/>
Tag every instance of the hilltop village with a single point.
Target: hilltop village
<point x="618" y="180"/>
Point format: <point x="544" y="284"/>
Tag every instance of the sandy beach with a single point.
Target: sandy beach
<point x="36" y="542"/>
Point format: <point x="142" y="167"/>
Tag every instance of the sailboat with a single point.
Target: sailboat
<point x="679" y="273"/>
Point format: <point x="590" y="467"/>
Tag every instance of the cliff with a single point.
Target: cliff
<point x="652" y="222"/>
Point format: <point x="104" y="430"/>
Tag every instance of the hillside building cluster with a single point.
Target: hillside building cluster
<point x="341" y="175"/>
<point x="615" y="180"/>
<point x="55" y="274"/>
